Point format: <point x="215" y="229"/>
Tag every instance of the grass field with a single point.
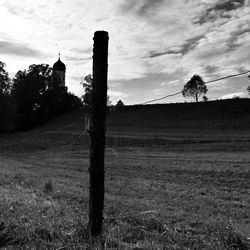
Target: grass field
<point x="166" y="188"/>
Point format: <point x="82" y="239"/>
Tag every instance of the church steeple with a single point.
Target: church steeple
<point x="59" y="65"/>
<point x="59" y="70"/>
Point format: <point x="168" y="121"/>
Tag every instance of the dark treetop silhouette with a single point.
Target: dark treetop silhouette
<point x="33" y="96"/>
<point x="195" y="87"/>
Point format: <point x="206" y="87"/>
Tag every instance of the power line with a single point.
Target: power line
<point x="177" y="93"/>
<point x="225" y="77"/>
<point x="163" y="97"/>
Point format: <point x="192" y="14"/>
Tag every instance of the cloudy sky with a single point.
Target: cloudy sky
<point x="155" y="46"/>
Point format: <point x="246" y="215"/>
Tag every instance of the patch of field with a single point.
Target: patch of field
<point x="165" y="189"/>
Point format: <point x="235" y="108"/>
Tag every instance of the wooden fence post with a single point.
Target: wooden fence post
<point x="97" y="132"/>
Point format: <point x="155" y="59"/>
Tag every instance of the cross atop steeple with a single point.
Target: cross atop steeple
<point x="59" y="65"/>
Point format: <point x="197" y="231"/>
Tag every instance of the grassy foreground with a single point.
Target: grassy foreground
<point x="165" y="188"/>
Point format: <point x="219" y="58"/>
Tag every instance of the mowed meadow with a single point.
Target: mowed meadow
<point x="176" y="177"/>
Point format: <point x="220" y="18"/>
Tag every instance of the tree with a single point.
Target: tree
<point x="248" y="88"/>
<point x="6" y="105"/>
<point x="195" y="87"/>
<point x="87" y="85"/>
<point x="37" y="97"/>
<point x="109" y="103"/>
<point x="119" y="104"/>
<point x="5" y="85"/>
<point x="30" y="86"/>
<point x="74" y="100"/>
<point x="205" y="98"/>
<point x="6" y="113"/>
<point x="30" y="92"/>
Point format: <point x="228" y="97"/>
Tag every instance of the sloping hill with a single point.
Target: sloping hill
<point x="220" y="115"/>
<point x="218" y="121"/>
<point x="224" y="114"/>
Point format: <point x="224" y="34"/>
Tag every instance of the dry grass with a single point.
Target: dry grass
<point x="170" y="191"/>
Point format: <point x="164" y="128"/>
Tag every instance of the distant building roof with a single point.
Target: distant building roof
<point x="59" y="65"/>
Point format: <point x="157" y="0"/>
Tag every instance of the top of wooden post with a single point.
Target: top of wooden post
<point x="101" y="34"/>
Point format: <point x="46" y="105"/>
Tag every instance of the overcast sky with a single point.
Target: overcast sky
<point x="155" y="46"/>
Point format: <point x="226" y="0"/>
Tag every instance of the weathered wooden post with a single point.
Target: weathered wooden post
<point x="97" y="131"/>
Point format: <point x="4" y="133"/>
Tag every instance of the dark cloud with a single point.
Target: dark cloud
<point x="18" y="49"/>
<point x="228" y="5"/>
<point x="140" y="8"/>
<point x="153" y="54"/>
<point x="77" y="59"/>
<point x="242" y="69"/>
<point x="211" y="69"/>
<point x="232" y="42"/>
<point x="82" y="51"/>
<point x="190" y="44"/>
<point x="183" y="49"/>
<point x="220" y="10"/>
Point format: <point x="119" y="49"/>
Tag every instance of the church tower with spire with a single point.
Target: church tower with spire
<point x="59" y="70"/>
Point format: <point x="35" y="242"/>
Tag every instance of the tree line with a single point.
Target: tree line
<point x="31" y="98"/>
<point x="86" y="98"/>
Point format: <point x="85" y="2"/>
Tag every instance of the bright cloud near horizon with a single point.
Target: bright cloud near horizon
<point x="155" y="46"/>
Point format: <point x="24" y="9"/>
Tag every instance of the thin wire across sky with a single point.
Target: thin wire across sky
<point x="208" y="82"/>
